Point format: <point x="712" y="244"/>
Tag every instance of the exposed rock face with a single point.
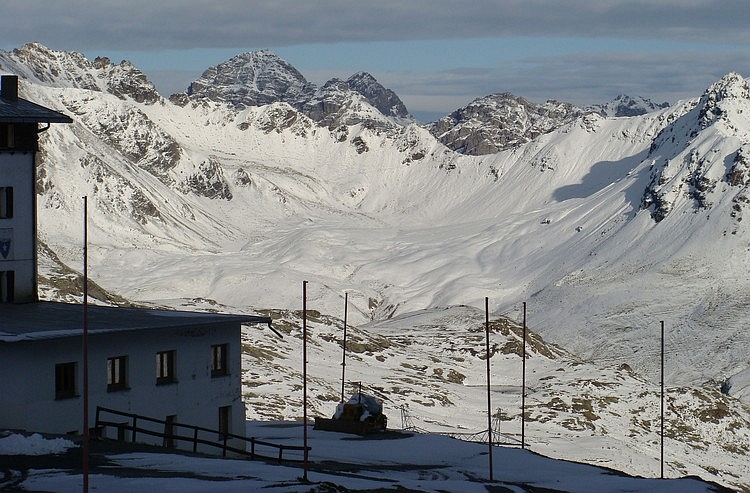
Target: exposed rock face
<point x="252" y="79"/>
<point x="124" y="80"/>
<point x="687" y="169"/>
<point x="262" y="78"/>
<point x="50" y="67"/>
<point x="336" y="104"/>
<point x="385" y="100"/>
<point x="500" y="121"/>
<point x="208" y="181"/>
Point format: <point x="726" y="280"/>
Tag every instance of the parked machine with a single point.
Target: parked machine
<point x="361" y="415"/>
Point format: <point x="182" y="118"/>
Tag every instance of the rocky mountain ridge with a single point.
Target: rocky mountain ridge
<point x="485" y="126"/>
<point x="262" y="77"/>
<point x="493" y="123"/>
<point x="35" y="62"/>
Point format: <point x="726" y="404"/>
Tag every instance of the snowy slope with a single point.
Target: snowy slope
<point x="605" y="226"/>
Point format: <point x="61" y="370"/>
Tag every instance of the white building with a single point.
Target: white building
<point x="175" y="366"/>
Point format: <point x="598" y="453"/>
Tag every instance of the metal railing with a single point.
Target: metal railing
<point x="173" y="433"/>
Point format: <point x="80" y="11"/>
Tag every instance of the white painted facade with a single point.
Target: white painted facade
<point x="195" y="397"/>
<point x="18" y="233"/>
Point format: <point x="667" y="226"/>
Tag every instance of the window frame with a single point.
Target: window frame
<point x="6" y="202"/>
<point x="117" y="373"/>
<point x="7" y="136"/>
<point x="165" y="367"/>
<point x="219" y="360"/>
<point x="66" y="380"/>
<point x="7" y="286"/>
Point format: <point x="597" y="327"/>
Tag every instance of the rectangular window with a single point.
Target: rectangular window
<point x="117" y="369"/>
<point x="7" y="136"/>
<point x="165" y="367"/>
<point x="225" y="420"/>
<point x="6" y="202"/>
<point x="7" y="286"/>
<point x="219" y="360"/>
<point x="65" y="380"/>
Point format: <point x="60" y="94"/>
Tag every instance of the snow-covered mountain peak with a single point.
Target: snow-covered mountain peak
<point x="731" y="86"/>
<point x="251" y="79"/>
<point x="385" y="100"/>
<point x="700" y="160"/>
<point x="500" y="121"/>
<point x="40" y="64"/>
<point x="262" y="77"/>
<point x="728" y="94"/>
<point x="624" y="105"/>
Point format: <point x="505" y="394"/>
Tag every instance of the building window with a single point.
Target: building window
<point x="225" y="420"/>
<point x="7" y="136"/>
<point x="65" y="380"/>
<point x="165" y="367"/>
<point x="6" y="202"/>
<point x="219" y="360"/>
<point x="7" y="286"/>
<point x="117" y="368"/>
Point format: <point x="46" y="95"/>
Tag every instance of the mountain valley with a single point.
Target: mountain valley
<point x="604" y="220"/>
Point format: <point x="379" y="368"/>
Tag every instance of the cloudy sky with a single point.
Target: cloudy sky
<point x="437" y="55"/>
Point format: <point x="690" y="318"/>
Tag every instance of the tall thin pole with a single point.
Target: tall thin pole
<point x="343" y="359"/>
<point x="85" y="348"/>
<point x="489" y="396"/>
<point x="304" y="373"/>
<point x="523" y="382"/>
<point x="662" y="399"/>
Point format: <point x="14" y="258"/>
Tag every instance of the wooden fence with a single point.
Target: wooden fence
<point x="172" y="433"/>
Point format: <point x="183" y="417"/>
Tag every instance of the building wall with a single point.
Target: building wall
<point x="195" y="398"/>
<point x="17" y="171"/>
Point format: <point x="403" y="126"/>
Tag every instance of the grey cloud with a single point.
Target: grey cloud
<point x="172" y="24"/>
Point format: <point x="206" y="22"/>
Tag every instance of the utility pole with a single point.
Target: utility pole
<point x="662" y="399"/>
<point x="489" y="395"/>
<point x="304" y="376"/>
<point x="85" y="465"/>
<point x="523" y="382"/>
<point x="343" y="360"/>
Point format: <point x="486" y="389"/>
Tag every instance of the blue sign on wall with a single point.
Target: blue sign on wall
<point x="4" y="247"/>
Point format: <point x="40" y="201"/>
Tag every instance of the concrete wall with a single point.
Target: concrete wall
<point x="28" y="384"/>
<point x="17" y="171"/>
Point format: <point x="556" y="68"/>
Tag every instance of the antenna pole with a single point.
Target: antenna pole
<point x="343" y="360"/>
<point x="86" y="437"/>
<point x="304" y="374"/>
<point x="523" y="382"/>
<point x="662" y="399"/>
<point x="489" y="396"/>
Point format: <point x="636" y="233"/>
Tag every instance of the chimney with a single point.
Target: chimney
<point x="9" y="87"/>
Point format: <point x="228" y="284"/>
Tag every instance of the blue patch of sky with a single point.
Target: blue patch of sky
<point x="419" y="56"/>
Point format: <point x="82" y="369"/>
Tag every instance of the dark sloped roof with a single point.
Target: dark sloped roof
<point x="23" y="111"/>
<point x="51" y="320"/>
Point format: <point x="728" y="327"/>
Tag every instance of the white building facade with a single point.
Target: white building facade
<point x="173" y="366"/>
